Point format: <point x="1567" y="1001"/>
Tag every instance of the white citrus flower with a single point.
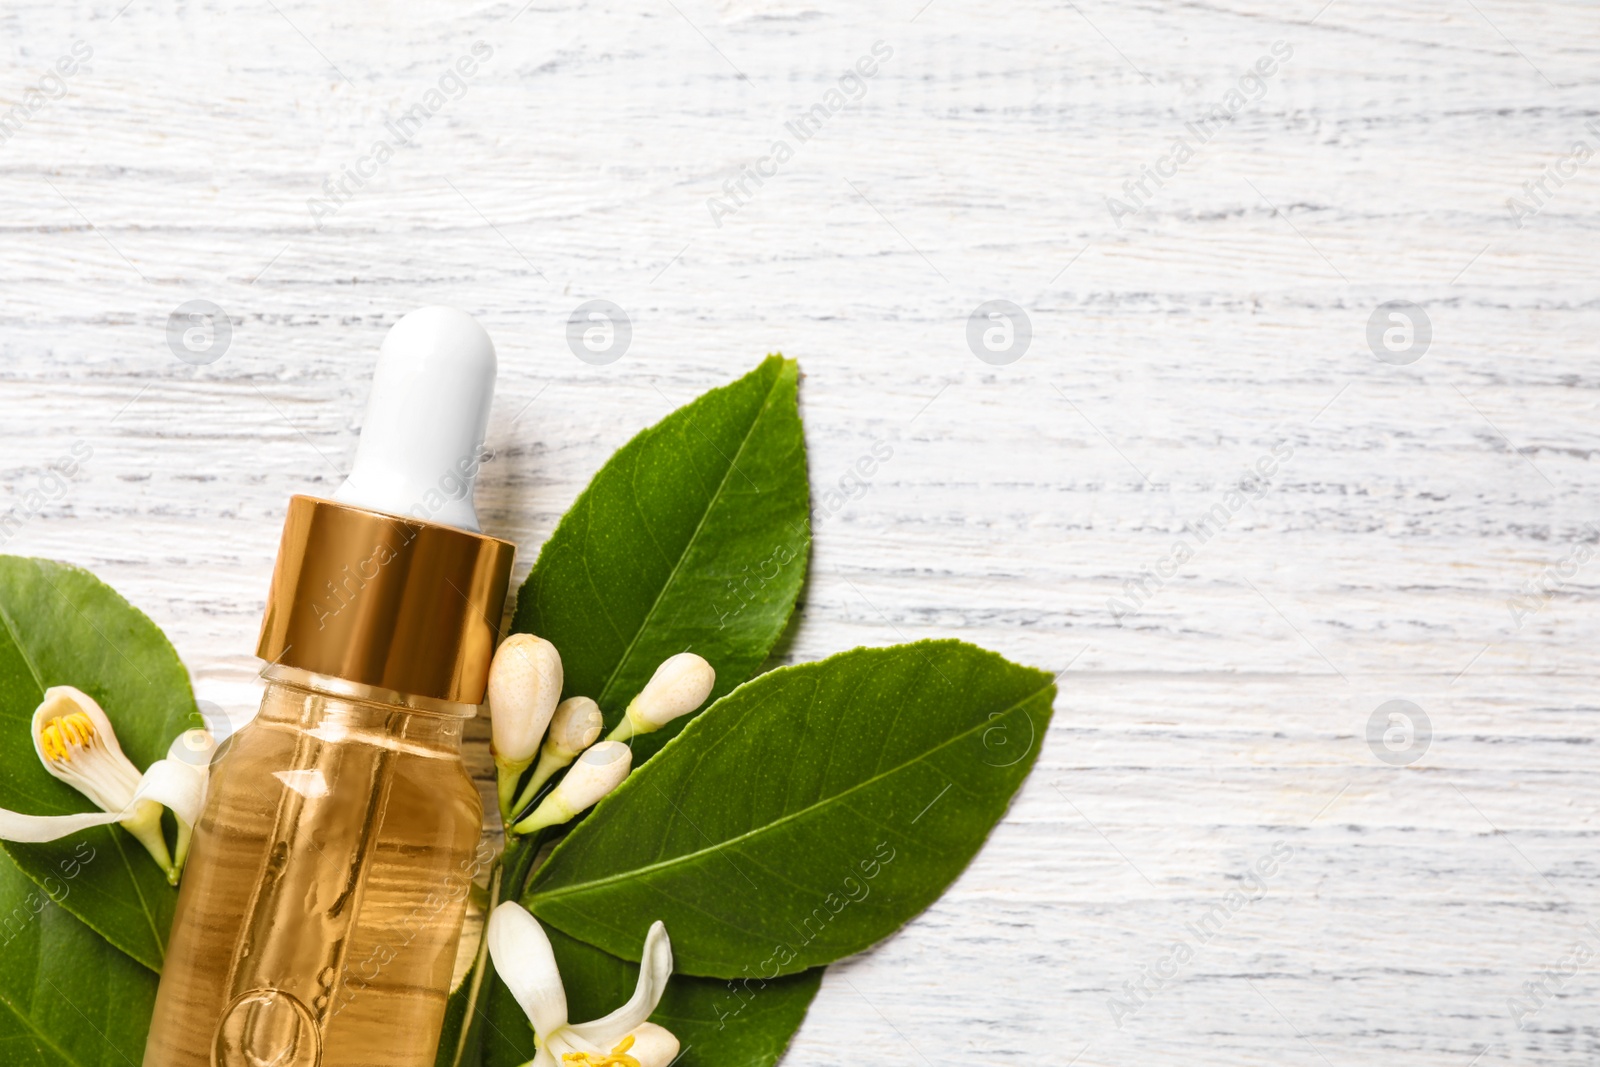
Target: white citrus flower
<point x="75" y="742"/>
<point x="190" y="753"/>
<point x="526" y="964"/>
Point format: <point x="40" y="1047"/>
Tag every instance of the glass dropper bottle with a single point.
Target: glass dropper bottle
<point x="319" y="916"/>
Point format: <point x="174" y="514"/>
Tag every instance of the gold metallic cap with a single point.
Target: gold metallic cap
<point x="387" y="601"/>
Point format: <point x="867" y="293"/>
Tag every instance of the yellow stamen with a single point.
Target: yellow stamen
<point x="618" y="1058"/>
<point x="62" y="735"/>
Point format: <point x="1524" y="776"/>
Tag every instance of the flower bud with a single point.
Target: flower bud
<point x="679" y="686"/>
<point x="597" y="772"/>
<point x="525" y="682"/>
<point x="575" y="726"/>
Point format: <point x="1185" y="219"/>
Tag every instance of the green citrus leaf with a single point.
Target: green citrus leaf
<point x="693" y="537"/>
<point x="60" y="625"/>
<point x="67" y="998"/>
<point x="806" y="815"/>
<point x="507" y="1035"/>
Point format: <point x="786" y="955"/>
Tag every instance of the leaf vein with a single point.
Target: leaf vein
<point x="657" y="867"/>
<point x="144" y="904"/>
<point x="655" y="603"/>
<point x="39" y="1035"/>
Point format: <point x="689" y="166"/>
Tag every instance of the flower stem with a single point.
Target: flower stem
<point x="547" y="766"/>
<point x="508" y="880"/>
<point x="506" y="775"/>
<point x="625" y="729"/>
<point x="519" y="864"/>
<point x="477" y="977"/>
<point x="145" y="824"/>
<point x="180" y="853"/>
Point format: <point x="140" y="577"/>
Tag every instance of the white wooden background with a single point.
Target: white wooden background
<point x="1227" y="717"/>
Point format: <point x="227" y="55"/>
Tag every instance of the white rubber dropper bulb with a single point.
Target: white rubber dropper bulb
<point x="421" y="445"/>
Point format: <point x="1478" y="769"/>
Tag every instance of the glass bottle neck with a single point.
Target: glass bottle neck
<point x="336" y="710"/>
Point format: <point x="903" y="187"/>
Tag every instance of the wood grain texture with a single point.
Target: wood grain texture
<point x="1226" y="316"/>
